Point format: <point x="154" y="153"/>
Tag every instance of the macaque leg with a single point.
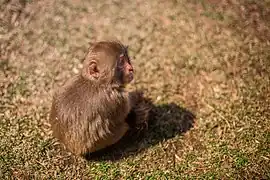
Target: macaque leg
<point x="115" y="137"/>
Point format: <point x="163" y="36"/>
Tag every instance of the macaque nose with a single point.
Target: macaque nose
<point x="130" y="68"/>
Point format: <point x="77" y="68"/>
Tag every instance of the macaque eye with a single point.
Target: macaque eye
<point x="121" y="56"/>
<point x="122" y="59"/>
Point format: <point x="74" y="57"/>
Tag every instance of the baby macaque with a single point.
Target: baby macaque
<point x="92" y="110"/>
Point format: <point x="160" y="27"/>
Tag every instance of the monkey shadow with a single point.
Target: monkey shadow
<point x="165" y="122"/>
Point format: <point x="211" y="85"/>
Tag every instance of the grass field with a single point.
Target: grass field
<point x="204" y="63"/>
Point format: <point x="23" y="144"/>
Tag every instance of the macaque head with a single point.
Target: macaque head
<point x="108" y="62"/>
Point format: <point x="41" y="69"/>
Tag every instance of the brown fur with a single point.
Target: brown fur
<point x="90" y="111"/>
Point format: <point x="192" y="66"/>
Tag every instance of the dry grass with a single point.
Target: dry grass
<point x="204" y="63"/>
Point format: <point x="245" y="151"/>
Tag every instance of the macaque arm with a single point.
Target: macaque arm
<point x="134" y="98"/>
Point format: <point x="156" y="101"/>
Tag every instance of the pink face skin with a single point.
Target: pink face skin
<point x="128" y="71"/>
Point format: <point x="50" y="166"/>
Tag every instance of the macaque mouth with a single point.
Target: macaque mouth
<point x="130" y="76"/>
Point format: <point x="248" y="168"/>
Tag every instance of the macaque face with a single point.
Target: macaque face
<point x="125" y="69"/>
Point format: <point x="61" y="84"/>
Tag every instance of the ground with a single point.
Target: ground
<point x="204" y="63"/>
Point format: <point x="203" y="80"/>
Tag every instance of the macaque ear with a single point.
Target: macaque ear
<point x="93" y="69"/>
